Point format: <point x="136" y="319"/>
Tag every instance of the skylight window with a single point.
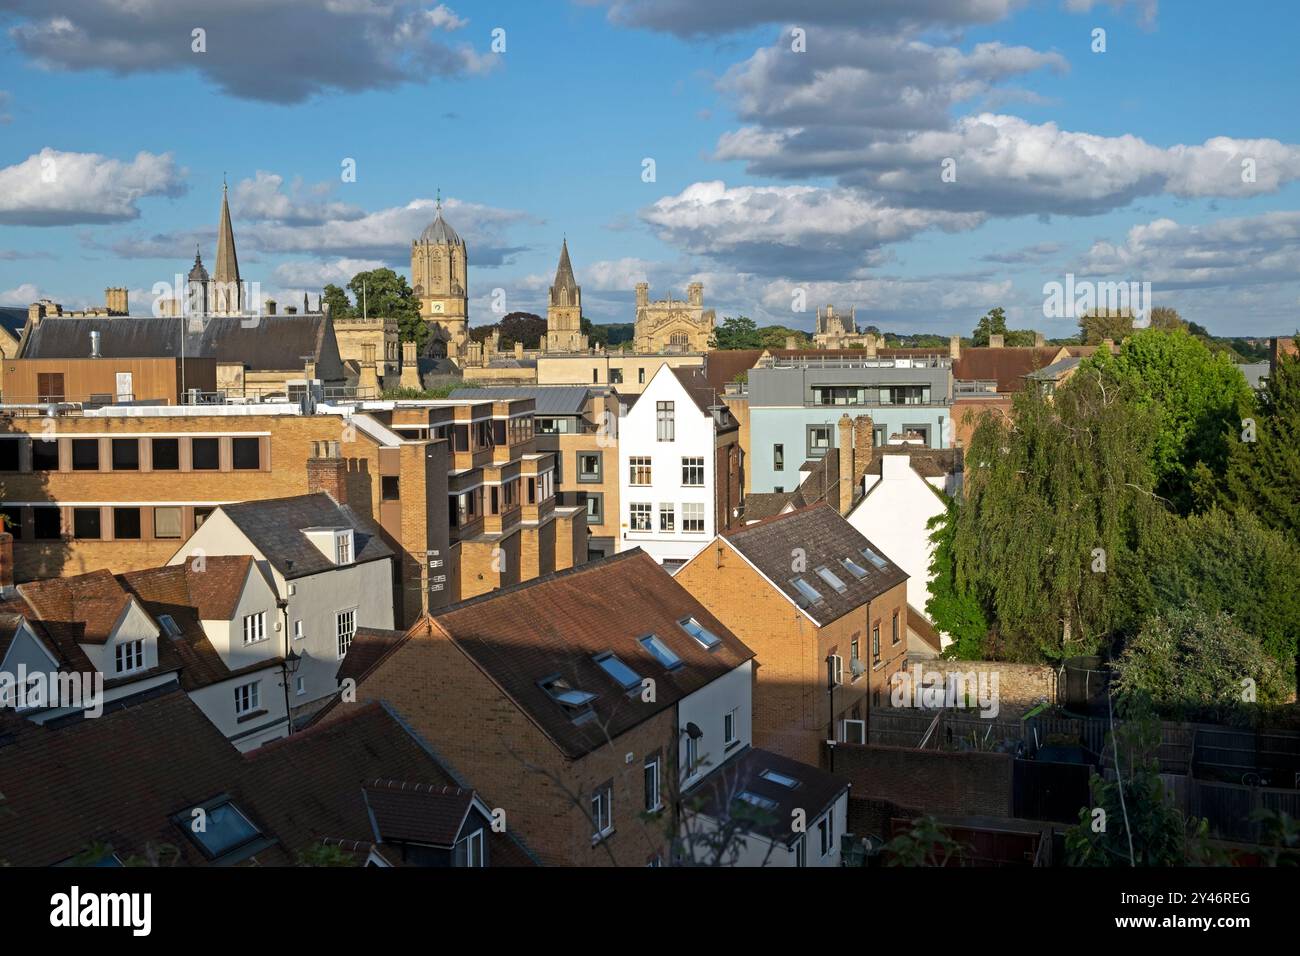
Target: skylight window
<point x="563" y="692"/>
<point x="708" y="640"/>
<point x="753" y="799"/>
<point x="780" y="778"/>
<point x="810" y="593"/>
<point x="224" y="829"/>
<point x="855" y="569"/>
<point x="615" y="668"/>
<point x="661" y="651"/>
<point x="874" y="558"/>
<point x="169" y="625"/>
<point x="827" y="575"/>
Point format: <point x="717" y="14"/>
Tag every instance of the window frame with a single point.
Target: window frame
<point x="351" y="615"/>
<point x="689" y="469"/>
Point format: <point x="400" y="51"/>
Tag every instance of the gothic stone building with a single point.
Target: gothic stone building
<point x="564" y="309"/>
<point x="439" y="277"/>
<point x="671" y="325"/>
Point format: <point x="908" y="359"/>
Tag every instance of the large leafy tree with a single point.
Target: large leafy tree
<point x="1262" y="472"/>
<point x="340" y="306"/>
<point x="1101" y="324"/>
<point x="954" y="610"/>
<point x="382" y="292"/>
<point x="993" y="322"/>
<point x="736" y="332"/>
<point x="1197" y="665"/>
<point x="1196" y="396"/>
<point x="1058" y="495"/>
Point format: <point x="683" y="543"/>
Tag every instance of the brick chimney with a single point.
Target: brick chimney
<point x="6" y="564"/>
<point x="864" y="434"/>
<point x="519" y="350"/>
<point x="995" y="341"/>
<point x="871" y="345"/>
<point x="270" y="307"/>
<point x="1108" y="345"/>
<point x="954" y="347"/>
<point x="791" y="343"/>
<point x="327" y="471"/>
<point x="410" y="366"/>
<point x="1039" y="340"/>
<point x="845" y="484"/>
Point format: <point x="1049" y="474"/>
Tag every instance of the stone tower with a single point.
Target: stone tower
<point x="226" y="292"/>
<point x="439" y="278"/>
<point x="564" y="309"/>
<point x="196" y="288"/>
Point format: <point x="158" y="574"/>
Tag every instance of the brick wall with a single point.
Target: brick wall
<point x="929" y="781"/>
<point x="1020" y="686"/>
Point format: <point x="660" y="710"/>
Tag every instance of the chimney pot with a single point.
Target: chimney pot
<point x="995" y="341"/>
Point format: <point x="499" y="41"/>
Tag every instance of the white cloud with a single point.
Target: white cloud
<point x="264" y="197"/>
<point x="316" y="275"/>
<point x="54" y="188"/>
<point x="25" y="294"/>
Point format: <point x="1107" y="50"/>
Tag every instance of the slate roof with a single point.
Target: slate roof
<point x="555" y="625"/>
<point x="268" y="343"/>
<point x="121" y="778"/>
<point x="439" y="231"/>
<point x="274" y="526"/>
<point x="12" y="320"/>
<point x="815" y="791"/>
<point x="547" y="399"/>
<point x="1008" y="366"/>
<point x="417" y="813"/>
<point x="825" y="538"/>
<point x="926" y="462"/>
<point x="1054" y="371"/>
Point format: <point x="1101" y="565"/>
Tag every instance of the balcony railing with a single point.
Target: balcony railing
<point x="854" y="361"/>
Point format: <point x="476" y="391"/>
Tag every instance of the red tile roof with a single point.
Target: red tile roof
<point x="95" y="600"/>
<point x="1008" y="366"/>
<point x="213" y="591"/>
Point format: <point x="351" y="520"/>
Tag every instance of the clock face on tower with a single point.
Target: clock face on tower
<point x="436" y="308"/>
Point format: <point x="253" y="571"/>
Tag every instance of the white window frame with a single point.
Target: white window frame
<point x="692" y="754"/>
<point x="669" y="511"/>
<point x="640" y="510"/>
<point x="255" y="628"/>
<point x="128" y="657"/>
<point x="602" y="812"/>
<point x="655" y="764"/>
<point x="248" y="697"/>
<point x="665" y="421"/>
<point x="860" y="734"/>
<point x="473" y="858"/>
<point x="635" y="466"/>
<point x="350" y="614"/>
<point x="299" y="633"/>
<point x="689" y="470"/>
<point x="826" y="833"/>
<point x="300" y="686"/>
<point x="692" y="511"/>
<point x="343" y="548"/>
<point x="729" y="735"/>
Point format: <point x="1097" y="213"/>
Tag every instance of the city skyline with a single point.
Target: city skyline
<point x="787" y="155"/>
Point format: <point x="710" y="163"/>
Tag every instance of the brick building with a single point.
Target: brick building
<point x="826" y="615"/>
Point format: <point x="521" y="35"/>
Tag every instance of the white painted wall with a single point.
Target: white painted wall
<point x="227" y="637"/>
<point x="134" y="625"/>
<point x="893" y="517"/>
<point x="217" y="701"/>
<point x="758" y="851"/>
<point x="705" y="708"/>
<point x="694" y="438"/>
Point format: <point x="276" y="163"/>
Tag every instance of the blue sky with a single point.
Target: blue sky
<point x="780" y="175"/>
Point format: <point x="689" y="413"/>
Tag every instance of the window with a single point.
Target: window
<point x="45" y="454"/>
<point x="708" y="640"/>
<point x="126" y="524"/>
<point x="205" y="454"/>
<point x="343" y="549"/>
<point x="474" y="855"/>
<point x="854" y="656"/>
<point x="298" y="632"/>
<point x="835" y="669"/>
<point x="875" y="559"/>
<point x="905" y="395"/>
<point x="167" y="522"/>
<point x="225" y="830"/>
<point x="667" y="517"/>
<point x="894" y="637"/>
<point x="778" y="457"/>
<point x="85" y="454"/>
<point x="692" y="754"/>
<point x="129" y="656"/>
<point x="616" y="376"/>
<point x="853" y="732"/>
<point x="126" y="454"/>
<point x="806" y="590"/>
<point x="390" y="487"/>
<point x="640" y="376"/>
<point x="255" y="627"/>
<point x="589" y="466"/>
<point x="47" y="523"/>
<point x="623" y="675"/>
<point x="246" y="453"/>
<point x="638" y="471"/>
<point x="595" y="508"/>
<point x="660" y="651"/>
<point x="300" y="686"/>
<point x="693" y="472"/>
<point x="819" y="439"/>
<point x="49" y="386"/>
<point x="755" y="800"/>
<point x="692" y="516"/>
<point x="563" y="692"/>
<point x="166" y="454"/>
<point x="248" y="697"/>
<point x="651" y="772"/>
<point x="800" y="852"/>
<point x="839" y="394"/>
<point x="169" y="625"/>
<point x="665" y="427"/>
<point x="826" y="832"/>
<point x="345" y="628"/>
<point x="602" y="811"/>
<point x="779" y="779"/>
<point x="640" y="512"/>
<point x="827" y="575"/>
<point x="855" y="569"/>
<point x="200" y="516"/>
<point x="12" y="522"/>
<point x="85" y="524"/>
<point x="875" y="641"/>
<point x="9" y="454"/>
<point x="729" y="727"/>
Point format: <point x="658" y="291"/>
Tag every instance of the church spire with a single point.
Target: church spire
<point x="564" y="271"/>
<point x="230" y="293"/>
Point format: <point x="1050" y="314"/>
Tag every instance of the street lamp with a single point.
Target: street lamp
<point x="289" y="667"/>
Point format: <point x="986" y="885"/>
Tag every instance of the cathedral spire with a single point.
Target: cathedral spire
<point x="564" y="271"/>
<point x="229" y="297"/>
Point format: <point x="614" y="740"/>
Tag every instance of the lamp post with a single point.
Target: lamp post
<point x="291" y="660"/>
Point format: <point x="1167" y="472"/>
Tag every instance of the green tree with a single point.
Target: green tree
<point x="1057" y="497"/>
<point x="993" y="322"/>
<point x="1196" y="395"/>
<point x="1262" y="472"/>
<point x="1098" y="325"/>
<point x="382" y="292"/>
<point x="954" y="611"/>
<point x="736" y="332"/>
<point x="1196" y="665"/>
<point x="1167" y="319"/>
<point x="340" y="307"/>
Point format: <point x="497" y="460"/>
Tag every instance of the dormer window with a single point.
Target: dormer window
<point x="129" y="657"/>
<point x="343" y="548"/>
